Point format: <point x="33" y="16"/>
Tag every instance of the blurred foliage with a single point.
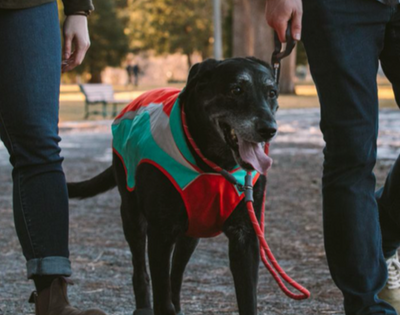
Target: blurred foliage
<point x="109" y="43"/>
<point x="121" y="4"/>
<point x="163" y="26"/>
<point x="170" y="26"/>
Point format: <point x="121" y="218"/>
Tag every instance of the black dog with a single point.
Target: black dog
<point x="229" y="106"/>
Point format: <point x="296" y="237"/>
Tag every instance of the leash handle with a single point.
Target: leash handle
<point x="278" y="54"/>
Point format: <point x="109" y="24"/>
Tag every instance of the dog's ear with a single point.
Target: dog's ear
<point x="198" y="76"/>
<point x="201" y="71"/>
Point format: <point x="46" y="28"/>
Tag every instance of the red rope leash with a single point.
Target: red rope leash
<point x="272" y="265"/>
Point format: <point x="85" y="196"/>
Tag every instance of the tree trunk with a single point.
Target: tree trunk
<point x="253" y="37"/>
<point x="95" y="76"/>
<point x="243" y="28"/>
<point x="286" y="84"/>
<point x="189" y="60"/>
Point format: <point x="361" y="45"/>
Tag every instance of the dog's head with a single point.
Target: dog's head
<point x="239" y="96"/>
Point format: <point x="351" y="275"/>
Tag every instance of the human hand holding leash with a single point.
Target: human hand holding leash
<point x="279" y="12"/>
<point x="76" y="41"/>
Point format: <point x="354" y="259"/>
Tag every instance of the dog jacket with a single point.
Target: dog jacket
<point x="149" y="130"/>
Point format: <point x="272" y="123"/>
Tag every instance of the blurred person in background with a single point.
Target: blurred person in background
<point x="30" y="69"/>
<point x="132" y="71"/>
<point x="344" y="41"/>
<point x="136" y="71"/>
<point x="129" y="73"/>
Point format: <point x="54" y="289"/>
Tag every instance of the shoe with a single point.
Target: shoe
<point x="54" y="300"/>
<point x="391" y="292"/>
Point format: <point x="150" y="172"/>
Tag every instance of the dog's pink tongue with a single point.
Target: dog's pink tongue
<point x="253" y="154"/>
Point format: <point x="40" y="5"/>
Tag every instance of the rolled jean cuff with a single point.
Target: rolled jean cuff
<point x="48" y="266"/>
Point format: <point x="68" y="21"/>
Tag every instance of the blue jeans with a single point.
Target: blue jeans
<point x="30" y="63"/>
<point x="344" y="40"/>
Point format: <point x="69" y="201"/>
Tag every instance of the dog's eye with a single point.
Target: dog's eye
<point x="237" y="90"/>
<point x="272" y="94"/>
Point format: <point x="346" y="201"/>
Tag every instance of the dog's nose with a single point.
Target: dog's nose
<point x="266" y="131"/>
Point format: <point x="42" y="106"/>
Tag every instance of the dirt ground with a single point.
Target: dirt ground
<point x="101" y="259"/>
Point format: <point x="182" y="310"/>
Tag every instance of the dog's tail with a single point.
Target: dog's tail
<point x="92" y="187"/>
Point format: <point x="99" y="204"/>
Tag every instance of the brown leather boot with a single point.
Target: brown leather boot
<point x="54" y="300"/>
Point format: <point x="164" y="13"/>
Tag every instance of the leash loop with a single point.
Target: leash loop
<point x="266" y="254"/>
<point x="267" y="257"/>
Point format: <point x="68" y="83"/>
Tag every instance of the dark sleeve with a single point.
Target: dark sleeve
<point x="72" y="6"/>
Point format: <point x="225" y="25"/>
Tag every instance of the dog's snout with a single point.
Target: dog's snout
<point x="266" y="130"/>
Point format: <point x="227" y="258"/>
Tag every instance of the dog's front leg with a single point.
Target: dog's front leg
<point x="184" y="249"/>
<point x="244" y="262"/>
<point x="160" y="248"/>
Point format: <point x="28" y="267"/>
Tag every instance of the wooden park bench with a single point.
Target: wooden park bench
<point x="100" y="94"/>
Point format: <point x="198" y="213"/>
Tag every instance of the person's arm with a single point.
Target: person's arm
<point x="279" y="12"/>
<point x="75" y="31"/>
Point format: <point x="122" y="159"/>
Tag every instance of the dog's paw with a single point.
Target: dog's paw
<point x="144" y="311"/>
